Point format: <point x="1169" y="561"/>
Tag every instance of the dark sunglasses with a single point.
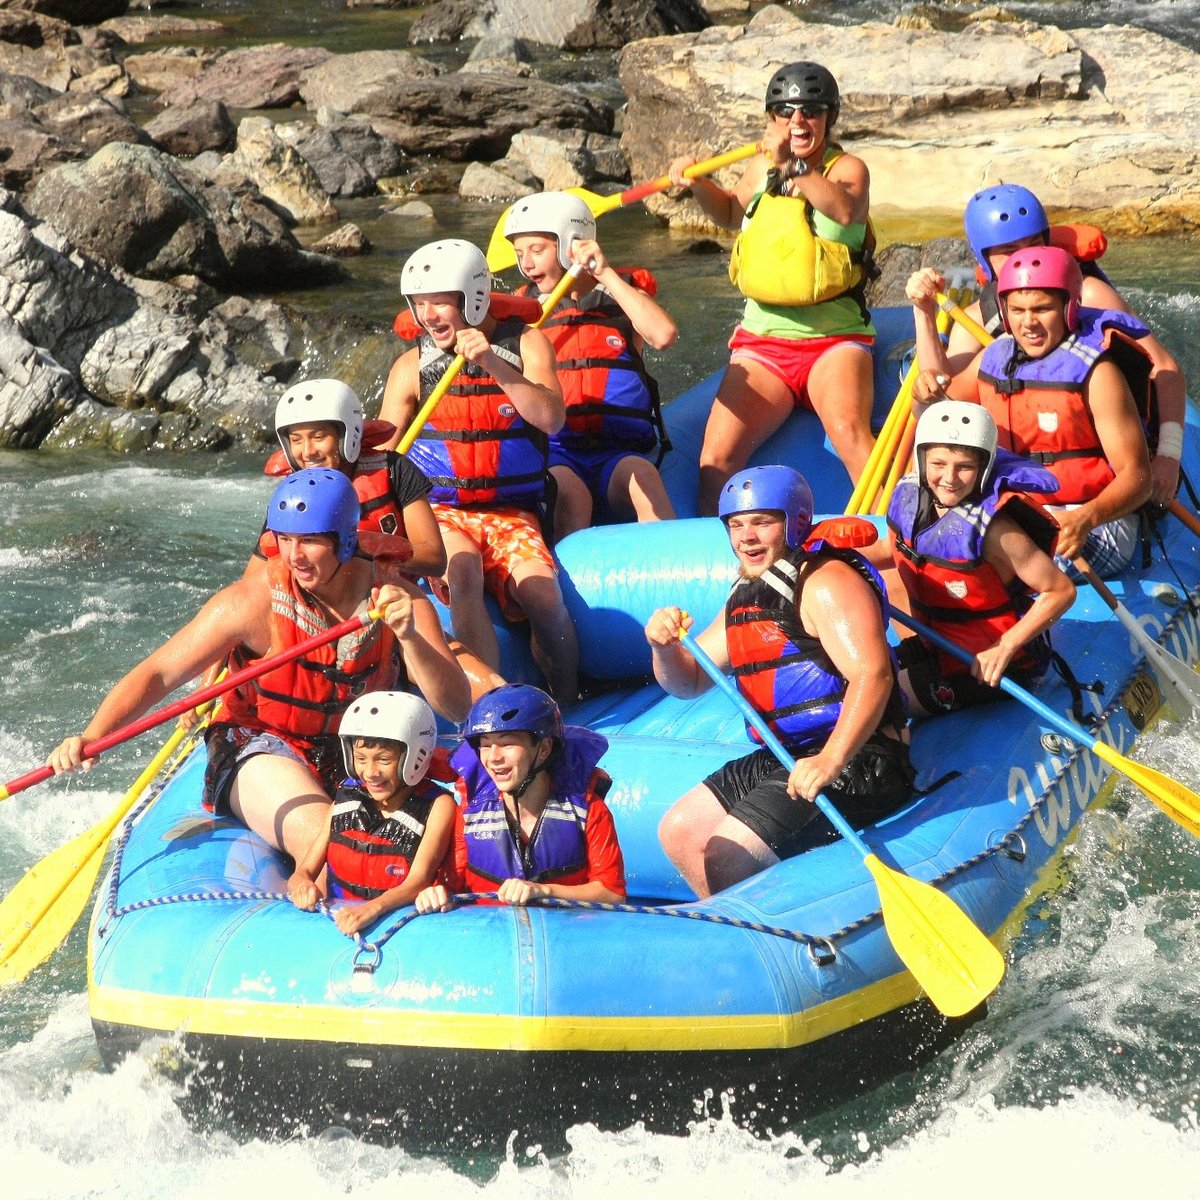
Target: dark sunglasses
<point x="785" y="112"/>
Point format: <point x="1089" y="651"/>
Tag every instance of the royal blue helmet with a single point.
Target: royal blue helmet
<point x="318" y="500"/>
<point x="996" y="216"/>
<point x="514" y="708"/>
<point x="775" y="489"/>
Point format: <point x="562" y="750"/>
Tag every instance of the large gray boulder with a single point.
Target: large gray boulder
<point x="474" y="116"/>
<point x="89" y="357"/>
<point x="1096" y="121"/>
<point x="362" y="81"/>
<point x="138" y="209"/>
<point x="251" y="77"/>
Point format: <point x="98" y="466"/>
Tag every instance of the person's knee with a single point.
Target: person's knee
<point x="465" y="571"/>
<point x="677" y="834"/>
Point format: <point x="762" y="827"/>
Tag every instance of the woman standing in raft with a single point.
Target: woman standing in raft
<point x="273" y="753"/>
<point x="801" y="260"/>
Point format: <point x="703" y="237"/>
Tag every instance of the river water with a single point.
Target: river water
<point x="1084" y="1076"/>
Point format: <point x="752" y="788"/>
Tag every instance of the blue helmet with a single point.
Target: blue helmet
<point x="998" y="215"/>
<point x="779" y="489"/>
<point x="318" y="500"/>
<point x="514" y="708"/>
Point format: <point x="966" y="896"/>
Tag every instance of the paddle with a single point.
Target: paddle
<point x="39" y="912"/>
<point x="949" y="957"/>
<point x="1176" y="680"/>
<point x="500" y="252"/>
<point x="1180" y="513"/>
<point x="1178" y="802"/>
<point x="458" y="362"/>
<point x="955" y="312"/>
<point x="198" y="697"/>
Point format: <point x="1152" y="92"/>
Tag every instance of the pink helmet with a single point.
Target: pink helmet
<point x="1046" y="268"/>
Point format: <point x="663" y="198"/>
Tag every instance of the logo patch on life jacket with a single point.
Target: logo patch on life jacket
<point x="957" y="588"/>
<point x="615" y="341"/>
<point x="1048" y="422"/>
<point x="507" y="410"/>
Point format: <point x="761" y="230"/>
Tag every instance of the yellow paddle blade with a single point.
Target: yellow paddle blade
<point x="46" y="902"/>
<point x="32" y="929"/>
<point x="1178" y="802"/>
<point x="950" y="958"/>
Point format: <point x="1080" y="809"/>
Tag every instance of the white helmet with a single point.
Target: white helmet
<point x="321" y="400"/>
<point x="451" y="265"/>
<point x="398" y="717"/>
<point x="560" y="214"/>
<point x="956" y="423"/>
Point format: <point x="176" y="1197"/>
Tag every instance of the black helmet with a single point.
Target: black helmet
<point x="803" y="81"/>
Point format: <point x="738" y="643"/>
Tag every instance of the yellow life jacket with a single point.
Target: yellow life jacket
<point x="778" y="258"/>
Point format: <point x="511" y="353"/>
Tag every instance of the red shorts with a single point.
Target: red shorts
<point x="504" y="537"/>
<point x="791" y="359"/>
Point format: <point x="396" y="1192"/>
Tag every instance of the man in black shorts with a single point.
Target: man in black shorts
<point x="804" y="633"/>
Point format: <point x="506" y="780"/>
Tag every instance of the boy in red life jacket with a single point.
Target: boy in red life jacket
<point x="963" y="537"/>
<point x="319" y="423"/>
<point x="804" y="634"/>
<point x="389" y="826"/>
<point x="1000" y="220"/>
<point x="273" y="744"/>
<point x="485" y="452"/>
<point x="1058" y="384"/>
<point x="600" y="459"/>
<point x="532" y="822"/>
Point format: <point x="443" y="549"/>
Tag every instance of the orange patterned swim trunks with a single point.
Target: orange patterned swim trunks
<point x="505" y="537"/>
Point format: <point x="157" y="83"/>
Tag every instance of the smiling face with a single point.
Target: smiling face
<point x="315" y="444"/>
<point x="440" y="315"/>
<point x="952" y="473"/>
<point x="377" y="767"/>
<point x="1037" y="319"/>
<point x="509" y="757"/>
<point x="758" y="539"/>
<point x="311" y="557"/>
<point x="806" y="133"/>
<point x="537" y="257"/>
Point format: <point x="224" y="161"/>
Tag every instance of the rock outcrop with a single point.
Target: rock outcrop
<point x="1097" y="121"/>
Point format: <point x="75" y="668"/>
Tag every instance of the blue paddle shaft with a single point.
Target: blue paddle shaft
<point x="768" y="736"/>
<point x="1059" y="722"/>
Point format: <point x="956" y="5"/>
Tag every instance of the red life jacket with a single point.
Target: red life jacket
<point x="476" y="448"/>
<point x="370" y="852"/>
<point x="305" y="698"/>
<point x="951" y="586"/>
<point x="611" y="399"/>
<point x="1038" y="403"/>
<point x="782" y="671"/>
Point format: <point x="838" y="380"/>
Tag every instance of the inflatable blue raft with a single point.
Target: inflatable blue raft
<point x="785" y="989"/>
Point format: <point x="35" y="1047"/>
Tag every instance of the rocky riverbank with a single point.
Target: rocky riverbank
<point x="152" y="176"/>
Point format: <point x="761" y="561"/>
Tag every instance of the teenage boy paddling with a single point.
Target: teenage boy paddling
<point x="803" y="630"/>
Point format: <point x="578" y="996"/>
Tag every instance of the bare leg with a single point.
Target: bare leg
<point x="280" y="800"/>
<point x="573" y="504"/>
<point x="635" y="483"/>
<point x="685" y="831"/>
<point x="552" y="632"/>
<point x="751" y="404"/>
<point x="734" y="853"/>
<point x="840" y="389"/>
<point x="468" y="612"/>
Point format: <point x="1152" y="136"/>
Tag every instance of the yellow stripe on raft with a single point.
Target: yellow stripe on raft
<point x="420" y="1028"/>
